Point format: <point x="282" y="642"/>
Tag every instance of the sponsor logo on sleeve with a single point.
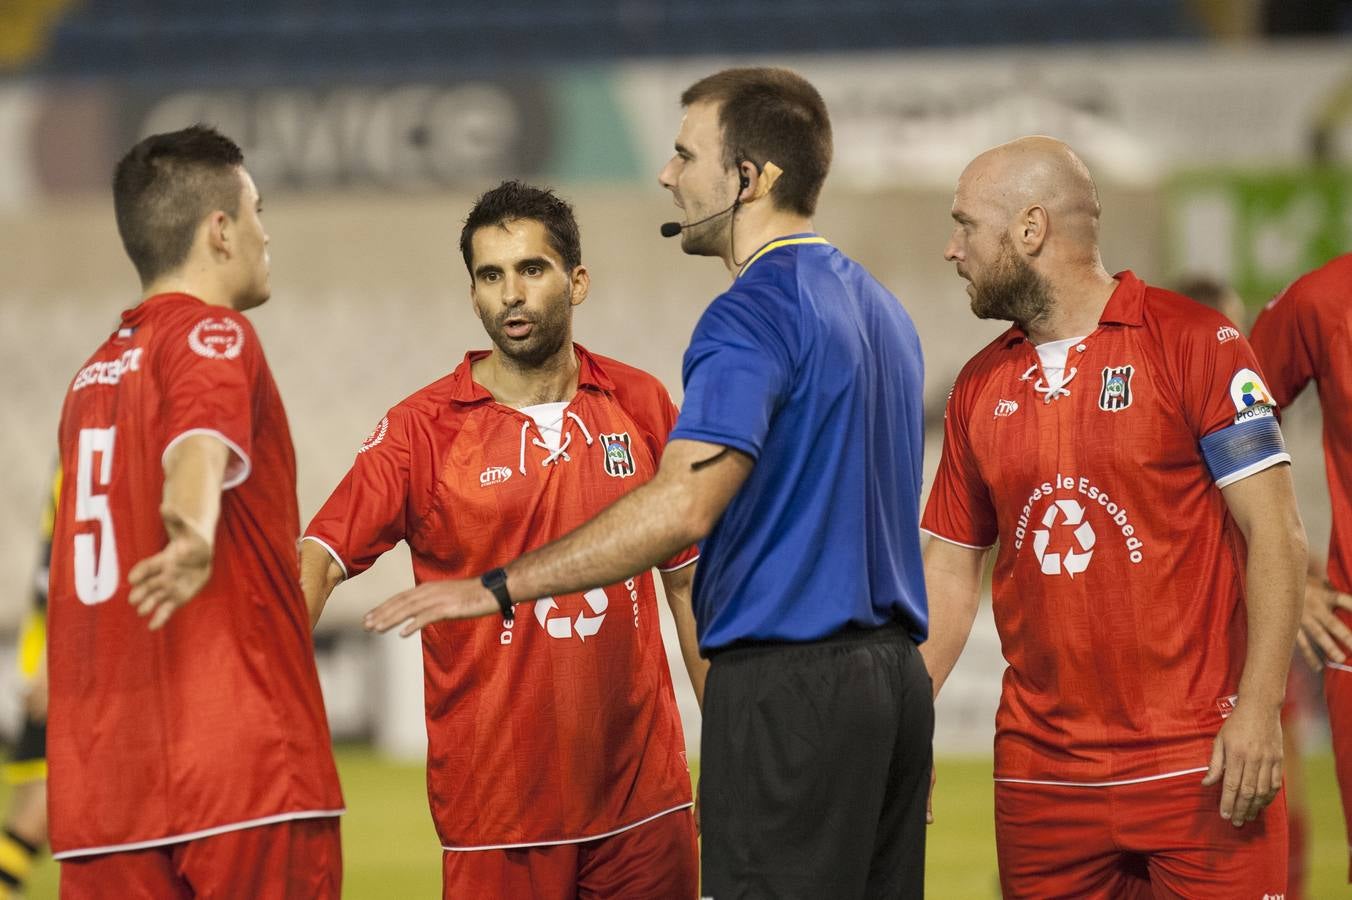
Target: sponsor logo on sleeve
<point x="217" y="338"/>
<point x="1115" y="395"/>
<point x="1006" y="408"/>
<point x="1250" y="395"/>
<point x="619" y="458"/>
<point x="376" y="436"/>
<point x="1225" y="334"/>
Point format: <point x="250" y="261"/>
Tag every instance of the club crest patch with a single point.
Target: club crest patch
<point x="619" y="458"/>
<point x="1116" y="393"/>
<point x="376" y="436"/>
<point x="217" y="338"/>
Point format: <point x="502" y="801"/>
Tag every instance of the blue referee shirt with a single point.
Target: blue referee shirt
<point x="813" y="368"/>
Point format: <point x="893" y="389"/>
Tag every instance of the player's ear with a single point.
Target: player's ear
<point x="580" y="285"/>
<point x="218" y="232"/>
<point x="1033" y="229"/>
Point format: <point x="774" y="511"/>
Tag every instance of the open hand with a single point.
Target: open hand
<point x="1248" y="753"/>
<point x="163" y="583"/>
<point x="431" y="602"/>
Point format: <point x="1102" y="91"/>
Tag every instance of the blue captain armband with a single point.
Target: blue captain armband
<point x="1239" y="450"/>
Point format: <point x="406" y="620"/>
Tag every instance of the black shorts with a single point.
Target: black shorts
<point x="814" y="768"/>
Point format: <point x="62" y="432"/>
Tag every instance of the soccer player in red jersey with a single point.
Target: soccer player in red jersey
<point x="1303" y="336"/>
<point x="188" y="749"/>
<point x="1121" y="448"/>
<point x="556" y="760"/>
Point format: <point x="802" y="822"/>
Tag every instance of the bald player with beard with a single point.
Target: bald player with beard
<point x="1119" y="448"/>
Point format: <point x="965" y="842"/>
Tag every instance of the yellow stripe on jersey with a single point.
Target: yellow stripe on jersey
<point x="773" y="245"/>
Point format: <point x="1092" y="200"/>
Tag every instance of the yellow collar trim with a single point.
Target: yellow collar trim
<point x="773" y="245"/>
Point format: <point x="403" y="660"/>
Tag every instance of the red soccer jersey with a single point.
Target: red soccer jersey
<point x="215" y="722"/>
<point x="562" y="726"/>
<point x="1118" y="586"/>
<point x="1304" y="335"/>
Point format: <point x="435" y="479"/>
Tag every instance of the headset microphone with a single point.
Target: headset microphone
<point x="671" y="229"/>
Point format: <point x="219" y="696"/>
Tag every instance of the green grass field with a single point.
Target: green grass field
<point x="390" y="850"/>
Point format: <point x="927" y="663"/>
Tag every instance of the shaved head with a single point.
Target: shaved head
<point x="1036" y="172"/>
<point x="1025" y="238"/>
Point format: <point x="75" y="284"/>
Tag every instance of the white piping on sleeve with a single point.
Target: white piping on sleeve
<point x="677" y="568"/>
<point x="334" y="553"/>
<point x="236" y="472"/>
<point x="948" y="540"/>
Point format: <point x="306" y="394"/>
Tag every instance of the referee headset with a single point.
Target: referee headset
<point x="671" y="229"/>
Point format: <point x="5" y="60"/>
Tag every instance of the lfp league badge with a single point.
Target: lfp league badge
<point x="619" y="459"/>
<point x="1116" y="393"/>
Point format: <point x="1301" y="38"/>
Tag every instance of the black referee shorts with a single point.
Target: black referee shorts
<point x="814" y="769"/>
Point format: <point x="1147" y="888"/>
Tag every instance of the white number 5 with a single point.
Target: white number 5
<point x="96" y="570"/>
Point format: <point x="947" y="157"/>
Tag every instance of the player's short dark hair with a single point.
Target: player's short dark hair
<point x="772" y="115"/>
<point x="165" y="186"/>
<point x="514" y="201"/>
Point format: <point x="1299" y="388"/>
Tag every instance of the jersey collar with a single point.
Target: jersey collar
<point x="135" y="315"/>
<point x="464" y="389"/>
<point x="787" y="241"/>
<point x="1126" y="306"/>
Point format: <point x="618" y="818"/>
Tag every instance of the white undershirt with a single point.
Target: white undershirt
<point x="549" y="419"/>
<point x="1053" y="356"/>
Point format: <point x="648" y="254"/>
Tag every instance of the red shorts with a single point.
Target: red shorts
<point x="298" y="858"/>
<point x="1338" y="693"/>
<point x="658" y="859"/>
<point x="1162" y="838"/>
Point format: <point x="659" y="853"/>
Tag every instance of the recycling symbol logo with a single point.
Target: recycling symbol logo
<point x="1074" y="559"/>
<point x="584" y="626"/>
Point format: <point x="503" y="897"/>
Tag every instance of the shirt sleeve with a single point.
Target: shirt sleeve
<point x="1227" y="402"/>
<point x="209" y="369"/>
<point x="959" y="509"/>
<point x="1281" y="346"/>
<point x="367" y="514"/>
<point x="737" y="373"/>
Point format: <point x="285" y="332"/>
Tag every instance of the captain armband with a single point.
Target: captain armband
<point x="1239" y="450"/>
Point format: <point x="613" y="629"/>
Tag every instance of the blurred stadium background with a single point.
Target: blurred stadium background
<point x="1220" y="132"/>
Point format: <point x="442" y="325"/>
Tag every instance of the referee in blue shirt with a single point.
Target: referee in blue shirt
<point x="796" y="462"/>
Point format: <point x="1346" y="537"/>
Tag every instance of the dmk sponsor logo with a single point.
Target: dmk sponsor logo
<point x="619" y="458"/>
<point x="1226" y="705"/>
<point x="1115" y="395"/>
<point x="1225" y="334"/>
<point x="494" y="475"/>
<point x="1006" y="408"/>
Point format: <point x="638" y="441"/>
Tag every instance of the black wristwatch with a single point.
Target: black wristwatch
<point x="496" y="581"/>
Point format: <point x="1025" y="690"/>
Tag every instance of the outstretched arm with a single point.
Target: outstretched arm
<point x="678" y="507"/>
<point x="194" y="473"/>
